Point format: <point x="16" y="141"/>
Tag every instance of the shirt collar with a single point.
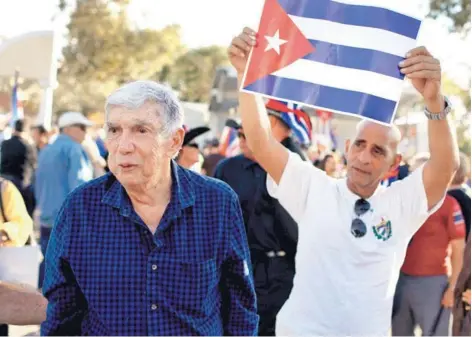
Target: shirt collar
<point x="247" y="162"/>
<point x="182" y="193"/>
<point x="64" y="137"/>
<point x="350" y="196"/>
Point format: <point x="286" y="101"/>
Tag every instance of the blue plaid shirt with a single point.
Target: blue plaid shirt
<point x="107" y="274"/>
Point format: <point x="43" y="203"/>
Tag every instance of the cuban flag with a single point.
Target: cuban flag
<point x="293" y="115"/>
<point x="229" y="142"/>
<point x="336" y="55"/>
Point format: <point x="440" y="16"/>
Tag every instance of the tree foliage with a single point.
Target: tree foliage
<point x="194" y="71"/>
<point x="104" y="51"/>
<point x="457" y="10"/>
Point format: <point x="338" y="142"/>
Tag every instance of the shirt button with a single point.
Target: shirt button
<point x="154" y="267"/>
<point x="153" y="307"/>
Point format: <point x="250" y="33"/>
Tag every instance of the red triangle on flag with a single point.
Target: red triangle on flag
<point x="280" y="43"/>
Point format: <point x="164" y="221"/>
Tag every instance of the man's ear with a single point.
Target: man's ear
<point x="347" y="145"/>
<point x="177" y="141"/>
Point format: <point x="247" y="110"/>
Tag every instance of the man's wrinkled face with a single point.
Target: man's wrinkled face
<point x="138" y="151"/>
<point x="371" y="156"/>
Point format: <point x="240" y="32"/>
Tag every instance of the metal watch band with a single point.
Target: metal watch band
<point x="441" y="115"/>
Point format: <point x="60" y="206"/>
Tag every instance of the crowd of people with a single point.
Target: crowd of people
<point x="147" y="232"/>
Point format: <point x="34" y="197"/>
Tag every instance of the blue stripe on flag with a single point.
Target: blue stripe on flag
<point x="356" y="15"/>
<point x="369" y="106"/>
<point x="356" y="58"/>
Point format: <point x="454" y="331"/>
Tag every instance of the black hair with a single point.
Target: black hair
<point x="41" y="129"/>
<point x="19" y="125"/>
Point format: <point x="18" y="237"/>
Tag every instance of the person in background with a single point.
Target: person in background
<point x="21" y="305"/>
<point x="286" y="130"/>
<point x="16" y="227"/>
<point x="462" y="298"/>
<point x="272" y="233"/>
<point x="212" y="158"/>
<point x="425" y="294"/>
<point x="62" y="166"/>
<point x="93" y="152"/>
<point x="459" y="192"/>
<point x="99" y="139"/>
<point x="40" y="137"/>
<point x="152" y="248"/>
<point x="328" y="164"/>
<point x="190" y="156"/>
<point x="18" y="162"/>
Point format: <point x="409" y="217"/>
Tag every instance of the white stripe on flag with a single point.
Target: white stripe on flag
<point x="405" y="7"/>
<point x="343" y="78"/>
<point x="354" y="36"/>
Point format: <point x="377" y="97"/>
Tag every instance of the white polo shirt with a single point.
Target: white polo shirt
<point x="345" y="285"/>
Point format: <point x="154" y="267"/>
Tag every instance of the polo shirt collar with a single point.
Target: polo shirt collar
<point x="351" y="196"/>
<point x="182" y="193"/>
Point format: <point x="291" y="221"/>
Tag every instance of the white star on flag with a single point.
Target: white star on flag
<point x="274" y="42"/>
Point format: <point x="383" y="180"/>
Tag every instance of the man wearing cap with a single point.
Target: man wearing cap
<point x="62" y="166"/>
<point x="290" y="125"/>
<point x="189" y="155"/>
<point x="272" y="233"/>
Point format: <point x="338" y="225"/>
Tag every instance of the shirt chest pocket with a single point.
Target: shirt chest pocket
<point x="186" y="285"/>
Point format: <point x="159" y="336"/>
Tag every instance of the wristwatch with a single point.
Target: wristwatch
<point x="441" y="115"/>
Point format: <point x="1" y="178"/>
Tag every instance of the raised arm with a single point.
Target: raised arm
<point x="425" y="74"/>
<point x="269" y="153"/>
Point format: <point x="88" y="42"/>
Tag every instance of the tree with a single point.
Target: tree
<point x="193" y="72"/>
<point x="457" y="10"/>
<point x="104" y="51"/>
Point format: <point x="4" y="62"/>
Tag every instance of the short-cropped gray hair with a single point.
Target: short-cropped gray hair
<point x="134" y="94"/>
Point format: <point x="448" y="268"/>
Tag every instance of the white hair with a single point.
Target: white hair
<point x="135" y="94"/>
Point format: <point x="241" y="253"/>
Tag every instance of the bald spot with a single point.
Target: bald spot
<point x="393" y="133"/>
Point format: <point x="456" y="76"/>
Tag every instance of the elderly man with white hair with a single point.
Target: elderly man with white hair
<point x="150" y="248"/>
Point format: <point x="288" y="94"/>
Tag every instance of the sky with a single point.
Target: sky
<point x="207" y="22"/>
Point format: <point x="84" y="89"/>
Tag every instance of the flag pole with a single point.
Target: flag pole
<point x="14" y="99"/>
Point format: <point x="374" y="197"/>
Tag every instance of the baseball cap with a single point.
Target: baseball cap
<point x="73" y="118"/>
<point x="191" y="134"/>
<point x="294" y="117"/>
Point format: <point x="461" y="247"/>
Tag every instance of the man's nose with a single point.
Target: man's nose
<point x="125" y="144"/>
<point x="365" y="156"/>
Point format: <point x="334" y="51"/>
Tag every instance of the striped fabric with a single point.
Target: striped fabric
<point x="352" y="67"/>
<point x="293" y="115"/>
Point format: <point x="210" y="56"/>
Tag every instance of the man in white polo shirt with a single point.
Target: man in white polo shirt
<point x="353" y="233"/>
